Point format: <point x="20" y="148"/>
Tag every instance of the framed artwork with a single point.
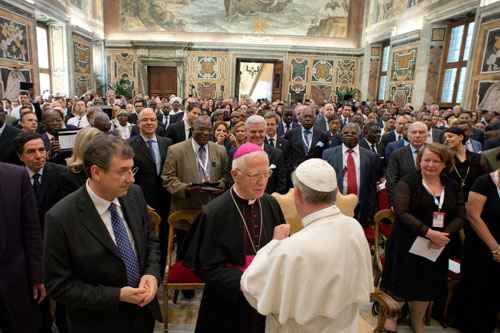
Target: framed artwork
<point x="488" y="95"/>
<point x="491" y="56"/>
<point x="438" y="34"/>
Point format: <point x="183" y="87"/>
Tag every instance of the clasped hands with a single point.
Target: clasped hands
<point x="143" y="294"/>
<point x="438" y="239"/>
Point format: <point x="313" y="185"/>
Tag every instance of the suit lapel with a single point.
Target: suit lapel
<point x="93" y="222"/>
<point x="191" y="162"/>
<point x="362" y="166"/>
<point x="163" y="149"/>
<point x="409" y="158"/>
<point x="133" y="220"/>
<point x="45" y="184"/>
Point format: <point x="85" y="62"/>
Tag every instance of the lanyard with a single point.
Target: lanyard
<point x="203" y="164"/>
<point x="438" y="203"/>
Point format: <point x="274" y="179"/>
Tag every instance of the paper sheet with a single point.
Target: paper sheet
<point x="67" y="141"/>
<point x="421" y="247"/>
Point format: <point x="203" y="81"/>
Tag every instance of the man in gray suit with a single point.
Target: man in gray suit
<point x="325" y="115"/>
<point x="191" y="163"/>
<point x="403" y="160"/>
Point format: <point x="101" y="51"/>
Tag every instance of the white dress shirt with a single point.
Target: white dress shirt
<point x="156" y="149"/>
<point x="355" y="156"/>
<point x="80" y="122"/>
<point x="31" y="174"/>
<point x="2" y="128"/>
<point x="102" y="207"/>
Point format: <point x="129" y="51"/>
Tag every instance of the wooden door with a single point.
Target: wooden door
<point x="162" y="81"/>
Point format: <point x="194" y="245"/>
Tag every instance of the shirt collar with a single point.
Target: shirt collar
<point x="3" y="127"/>
<point x="354" y="150"/>
<point x="31" y="173"/>
<point x="239" y="198"/>
<point x="146" y="139"/>
<point x="320" y="214"/>
<point x="101" y="205"/>
<point x="197" y="146"/>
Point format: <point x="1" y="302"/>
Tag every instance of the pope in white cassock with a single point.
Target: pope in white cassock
<point x="316" y="279"/>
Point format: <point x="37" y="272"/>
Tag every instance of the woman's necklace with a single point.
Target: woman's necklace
<point x="245" y="223"/>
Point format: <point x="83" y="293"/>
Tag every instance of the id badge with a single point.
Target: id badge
<point x="438" y="220"/>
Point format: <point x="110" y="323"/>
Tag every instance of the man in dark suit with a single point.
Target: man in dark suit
<point x="403" y="160"/>
<point x="256" y="133"/>
<point x="272" y="139"/>
<point x="45" y="177"/>
<point x="21" y="279"/>
<point x="396" y="135"/>
<point x="101" y="256"/>
<point x="325" y="115"/>
<point x="165" y="119"/>
<point x="150" y="152"/>
<point x="182" y="129"/>
<point x="434" y="134"/>
<point x="356" y="170"/>
<point x="52" y="121"/>
<point x="288" y="123"/>
<point x="371" y="141"/>
<point x="305" y="141"/>
<point x="7" y="136"/>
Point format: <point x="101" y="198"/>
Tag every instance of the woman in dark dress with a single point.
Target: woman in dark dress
<point x="467" y="165"/>
<point x="481" y="267"/>
<point x="422" y="199"/>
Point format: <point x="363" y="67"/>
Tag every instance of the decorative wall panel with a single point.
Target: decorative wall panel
<point x="82" y="52"/>
<point x="402" y="74"/>
<point x="374" y="73"/>
<point x="207" y="74"/>
<point x="122" y="68"/>
<point x="317" y="77"/>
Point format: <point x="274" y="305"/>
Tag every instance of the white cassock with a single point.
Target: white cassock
<point x="315" y="280"/>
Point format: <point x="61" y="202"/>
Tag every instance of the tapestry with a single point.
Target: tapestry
<point x="319" y="18"/>
<point x="403" y="65"/>
<point x="401" y="93"/>
<point x="14" y="40"/>
<point x="10" y="80"/>
<point x="298" y="70"/>
<point x="207" y="90"/>
<point x="321" y="94"/>
<point x="491" y="56"/>
<point x="488" y="96"/>
<point x="82" y="53"/>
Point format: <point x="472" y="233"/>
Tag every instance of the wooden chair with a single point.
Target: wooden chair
<point x="381" y="234"/>
<point x="178" y="276"/>
<point x="345" y="203"/>
<point x="155" y="219"/>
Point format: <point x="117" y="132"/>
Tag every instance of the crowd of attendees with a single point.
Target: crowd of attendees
<point x="412" y="156"/>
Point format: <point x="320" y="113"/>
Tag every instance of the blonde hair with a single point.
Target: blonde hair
<point x="75" y="162"/>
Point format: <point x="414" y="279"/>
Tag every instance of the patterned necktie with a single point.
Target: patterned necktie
<point x="153" y="155"/>
<point x="125" y="249"/>
<point x="190" y="132"/>
<point x="36" y="186"/>
<point x="307" y="132"/>
<point x="202" y="157"/>
<point x="352" y="181"/>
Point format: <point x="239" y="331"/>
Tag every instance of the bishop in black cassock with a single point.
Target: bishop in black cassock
<point x="224" y="239"/>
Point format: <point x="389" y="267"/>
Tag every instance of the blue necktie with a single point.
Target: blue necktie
<point x="153" y="155"/>
<point x="125" y="249"/>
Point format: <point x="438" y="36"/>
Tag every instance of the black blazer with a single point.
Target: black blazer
<point x="281" y="128"/>
<point x="71" y="181"/>
<point x="379" y="153"/>
<point x="297" y="151"/>
<point x="367" y="184"/>
<point x="400" y="164"/>
<point x="173" y="119"/>
<point x="20" y="248"/>
<point x="177" y="132"/>
<point x="281" y="143"/>
<point x="50" y="189"/>
<point x="7" y="149"/>
<point x="147" y="178"/>
<point x="84" y="270"/>
<point x="278" y="180"/>
<point x="387" y="138"/>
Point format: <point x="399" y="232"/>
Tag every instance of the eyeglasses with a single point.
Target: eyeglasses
<point x="124" y="173"/>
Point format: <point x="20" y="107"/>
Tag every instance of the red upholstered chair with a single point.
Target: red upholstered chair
<point x="178" y="276"/>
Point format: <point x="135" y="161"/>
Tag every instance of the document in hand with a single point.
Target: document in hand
<point x="422" y="247"/>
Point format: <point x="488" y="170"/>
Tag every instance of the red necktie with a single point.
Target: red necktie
<point x="352" y="183"/>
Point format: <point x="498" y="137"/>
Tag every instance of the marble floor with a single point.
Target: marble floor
<point x="182" y="318"/>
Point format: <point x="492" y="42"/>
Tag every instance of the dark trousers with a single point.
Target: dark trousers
<point x="5" y="325"/>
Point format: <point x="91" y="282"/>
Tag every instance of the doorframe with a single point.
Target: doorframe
<point x="239" y="60"/>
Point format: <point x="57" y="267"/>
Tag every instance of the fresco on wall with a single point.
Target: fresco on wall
<point x="82" y="53"/>
<point x="10" y="80"/>
<point x="381" y="10"/>
<point x="14" y="41"/>
<point x="488" y="96"/>
<point x="321" y="18"/>
<point x="208" y="68"/>
<point x="491" y="57"/>
<point x="345" y="72"/>
<point x="321" y="94"/>
<point x="322" y="71"/>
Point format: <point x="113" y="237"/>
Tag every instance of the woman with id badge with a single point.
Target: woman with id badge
<point x="429" y="208"/>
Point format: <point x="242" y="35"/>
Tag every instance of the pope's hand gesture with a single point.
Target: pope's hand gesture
<point x="281" y="231"/>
